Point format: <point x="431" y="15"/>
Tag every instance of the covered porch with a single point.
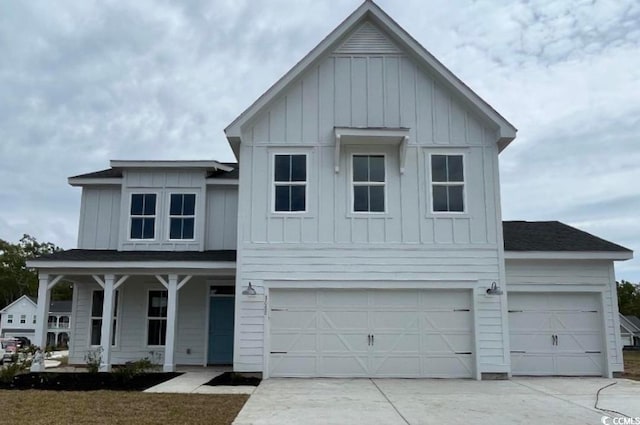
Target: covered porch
<point x="174" y="308"/>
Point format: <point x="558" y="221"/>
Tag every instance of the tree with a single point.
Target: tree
<point x="628" y="298"/>
<point x="16" y="279"/>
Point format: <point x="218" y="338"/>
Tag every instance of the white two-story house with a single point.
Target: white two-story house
<point x="359" y="235"/>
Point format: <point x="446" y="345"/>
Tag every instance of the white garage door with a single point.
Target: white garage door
<point x="370" y="333"/>
<point x="555" y="334"/>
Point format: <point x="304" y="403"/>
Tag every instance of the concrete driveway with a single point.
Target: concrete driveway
<point x="563" y="401"/>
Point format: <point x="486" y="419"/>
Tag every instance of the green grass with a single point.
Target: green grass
<point x="115" y="407"/>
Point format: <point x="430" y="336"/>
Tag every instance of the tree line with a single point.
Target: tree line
<point x="16" y="279"/>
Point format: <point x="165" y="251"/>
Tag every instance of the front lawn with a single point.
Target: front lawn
<point x="631" y="365"/>
<point x="116" y="407"/>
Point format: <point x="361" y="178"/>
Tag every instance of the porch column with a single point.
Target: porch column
<point x="109" y="285"/>
<point x="42" y="313"/>
<point x="173" y="288"/>
<point x="172" y="322"/>
<point x="106" y="331"/>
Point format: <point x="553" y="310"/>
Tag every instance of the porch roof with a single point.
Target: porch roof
<point x="112" y="259"/>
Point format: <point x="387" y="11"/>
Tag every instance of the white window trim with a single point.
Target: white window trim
<point x="155" y="216"/>
<point x="147" y="318"/>
<point x="23" y="319"/>
<point x="353" y="184"/>
<point x="274" y="183"/>
<point x="9" y="318"/>
<point x="465" y="205"/>
<point x="169" y="216"/>
<point x="115" y="317"/>
<point x="34" y="319"/>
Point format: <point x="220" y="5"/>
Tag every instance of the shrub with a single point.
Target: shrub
<point x="131" y="369"/>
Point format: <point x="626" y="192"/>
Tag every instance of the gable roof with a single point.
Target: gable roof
<point x="627" y="325"/>
<point x="635" y="320"/>
<point x="369" y="11"/>
<point x="24" y="297"/>
<point x="553" y="236"/>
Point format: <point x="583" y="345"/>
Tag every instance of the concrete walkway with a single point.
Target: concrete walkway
<point x="192" y="381"/>
<point x="565" y="401"/>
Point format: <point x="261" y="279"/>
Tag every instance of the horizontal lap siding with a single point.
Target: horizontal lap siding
<point x="550" y="274"/>
<point x="131" y="334"/>
<point x="344" y="264"/>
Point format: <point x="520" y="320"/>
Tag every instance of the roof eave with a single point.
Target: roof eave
<point x="568" y="255"/>
<point x="85" y="181"/>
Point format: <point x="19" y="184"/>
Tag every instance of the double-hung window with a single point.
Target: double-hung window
<point x="10" y="318"/>
<point x="447" y="183"/>
<point x="143" y="216"/>
<point x="368" y="174"/>
<point x="23" y="318"/>
<point x="157" y="318"/>
<point x="182" y="215"/>
<point x="290" y="183"/>
<point x="97" y="300"/>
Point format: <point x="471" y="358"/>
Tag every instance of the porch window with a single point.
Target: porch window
<point x="143" y="216"/>
<point x="97" y="300"/>
<point x="157" y="318"/>
<point x="182" y="215"/>
<point x="290" y="183"/>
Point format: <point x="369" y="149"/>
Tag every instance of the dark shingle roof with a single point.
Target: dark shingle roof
<point x="113" y="255"/>
<point x="109" y="173"/>
<point x="552" y="236"/>
<point x="60" y="307"/>
<point x="634" y="319"/>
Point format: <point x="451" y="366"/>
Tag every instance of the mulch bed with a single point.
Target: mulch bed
<point x="69" y="381"/>
<point x="233" y="379"/>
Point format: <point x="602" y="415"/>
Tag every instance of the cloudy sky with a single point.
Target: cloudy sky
<point x="82" y="82"/>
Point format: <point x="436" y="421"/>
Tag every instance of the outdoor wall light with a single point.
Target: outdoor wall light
<point x="494" y="290"/>
<point x="249" y="291"/>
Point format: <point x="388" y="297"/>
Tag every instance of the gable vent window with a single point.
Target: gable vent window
<point x="290" y="183"/>
<point x="143" y="216"/>
<point x="182" y="216"/>
<point x="368" y="183"/>
<point x="447" y="183"/>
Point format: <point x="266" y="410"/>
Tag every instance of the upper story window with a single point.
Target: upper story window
<point x="369" y="180"/>
<point x="182" y="215"/>
<point x="290" y="183"/>
<point x="23" y="318"/>
<point x="10" y="318"/>
<point x="143" y="216"/>
<point x="447" y="183"/>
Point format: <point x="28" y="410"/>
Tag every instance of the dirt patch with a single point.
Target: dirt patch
<point x="233" y="379"/>
<point x="631" y="365"/>
<point x="86" y="381"/>
<point x="115" y="407"/>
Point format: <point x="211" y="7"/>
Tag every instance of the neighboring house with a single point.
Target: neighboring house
<point x="360" y="235"/>
<point x="19" y="319"/>
<point x="630" y="331"/>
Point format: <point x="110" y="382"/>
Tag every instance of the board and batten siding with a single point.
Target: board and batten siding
<point x="221" y="218"/>
<point x="573" y="275"/>
<point x="99" y="217"/>
<point x="132" y="313"/>
<point x="329" y="243"/>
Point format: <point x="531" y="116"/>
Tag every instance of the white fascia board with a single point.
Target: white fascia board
<point x="506" y="131"/>
<point x="222" y="182"/>
<point x="568" y="255"/>
<point x="84" y="181"/>
<point x="142" y="265"/>
<point x="116" y="163"/>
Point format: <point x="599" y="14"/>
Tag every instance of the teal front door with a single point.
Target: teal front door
<point x="221" y="317"/>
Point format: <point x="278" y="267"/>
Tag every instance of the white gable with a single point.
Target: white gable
<point x="21" y="305"/>
<point x="368" y="39"/>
